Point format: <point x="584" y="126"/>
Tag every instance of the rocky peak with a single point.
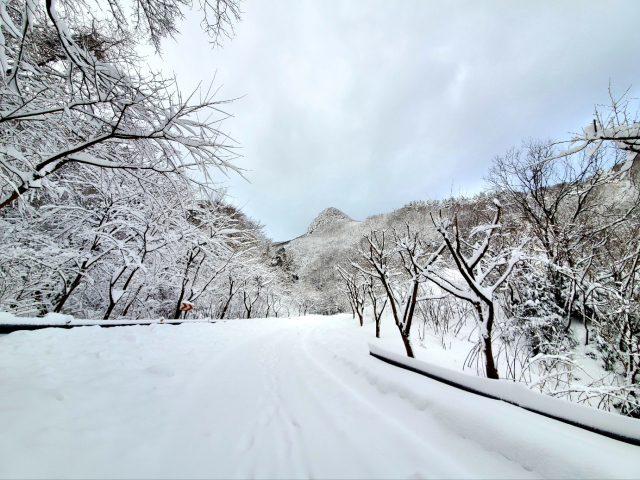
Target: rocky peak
<point x="328" y="216"/>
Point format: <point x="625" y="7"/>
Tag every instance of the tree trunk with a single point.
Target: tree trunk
<point x="112" y="304"/>
<point x="224" y="310"/>
<point x="76" y="281"/>
<point x="586" y="332"/>
<point x="231" y="295"/>
<point x="490" y="366"/>
<point x="177" y="311"/>
<point x="407" y="344"/>
<point x="66" y="296"/>
<point x="377" y="328"/>
<point x="247" y="308"/>
<point x="126" y="310"/>
<point x="185" y="281"/>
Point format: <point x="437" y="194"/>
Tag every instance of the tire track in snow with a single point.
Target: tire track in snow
<point x="275" y="426"/>
<point x="341" y="413"/>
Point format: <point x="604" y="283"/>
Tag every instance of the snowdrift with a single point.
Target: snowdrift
<point x="10" y="323"/>
<point x="598" y="421"/>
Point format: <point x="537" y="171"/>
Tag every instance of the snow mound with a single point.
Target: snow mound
<point x="51" y="318"/>
<point x="599" y="421"/>
<point x="329" y="216"/>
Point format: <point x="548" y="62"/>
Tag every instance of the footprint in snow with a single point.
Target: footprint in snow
<point x="161" y="369"/>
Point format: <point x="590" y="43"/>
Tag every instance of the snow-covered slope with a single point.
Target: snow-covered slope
<point x="274" y="398"/>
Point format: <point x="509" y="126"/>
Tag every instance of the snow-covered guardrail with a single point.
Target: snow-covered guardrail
<point x="10" y="323"/>
<point x="604" y="423"/>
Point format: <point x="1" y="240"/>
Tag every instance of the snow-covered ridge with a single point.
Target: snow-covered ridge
<point x="329" y="216"/>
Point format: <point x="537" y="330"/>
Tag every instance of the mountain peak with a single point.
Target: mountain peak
<point x="328" y="216"/>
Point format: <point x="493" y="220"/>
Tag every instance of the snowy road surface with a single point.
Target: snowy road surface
<point x="275" y="398"/>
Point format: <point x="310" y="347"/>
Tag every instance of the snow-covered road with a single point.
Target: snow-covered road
<point x="287" y="398"/>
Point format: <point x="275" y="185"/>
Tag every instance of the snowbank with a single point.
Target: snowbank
<point x="605" y="423"/>
<point x="9" y="322"/>
<point x="50" y="319"/>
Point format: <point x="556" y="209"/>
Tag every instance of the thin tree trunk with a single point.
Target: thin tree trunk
<point x="110" y="308"/>
<point x="78" y="279"/>
<point x="490" y="366"/>
<point x="407" y="343"/>
<point x="126" y="310"/>
<point x="224" y="310"/>
<point x="246" y="308"/>
<point x="66" y="296"/>
<point x="112" y="304"/>
<point x="185" y="281"/>
<point x="177" y="312"/>
<point x="226" y="305"/>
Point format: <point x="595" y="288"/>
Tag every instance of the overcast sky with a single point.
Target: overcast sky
<point x="365" y="106"/>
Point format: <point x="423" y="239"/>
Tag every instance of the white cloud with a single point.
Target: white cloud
<point x="366" y="105"/>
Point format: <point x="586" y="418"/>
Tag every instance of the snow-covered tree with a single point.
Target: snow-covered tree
<point x="378" y="300"/>
<point x="353" y="286"/>
<point x="616" y="123"/>
<point x="581" y="209"/>
<point x="397" y="261"/>
<point x="481" y="267"/>
<point x="106" y="190"/>
<point x="73" y="92"/>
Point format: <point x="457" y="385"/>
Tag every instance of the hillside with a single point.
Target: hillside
<point x="332" y="237"/>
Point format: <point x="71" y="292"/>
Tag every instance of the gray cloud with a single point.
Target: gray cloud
<point x="367" y="105"/>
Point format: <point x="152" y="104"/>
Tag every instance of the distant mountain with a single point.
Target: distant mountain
<point x="332" y="237"/>
<point x="327" y="217"/>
